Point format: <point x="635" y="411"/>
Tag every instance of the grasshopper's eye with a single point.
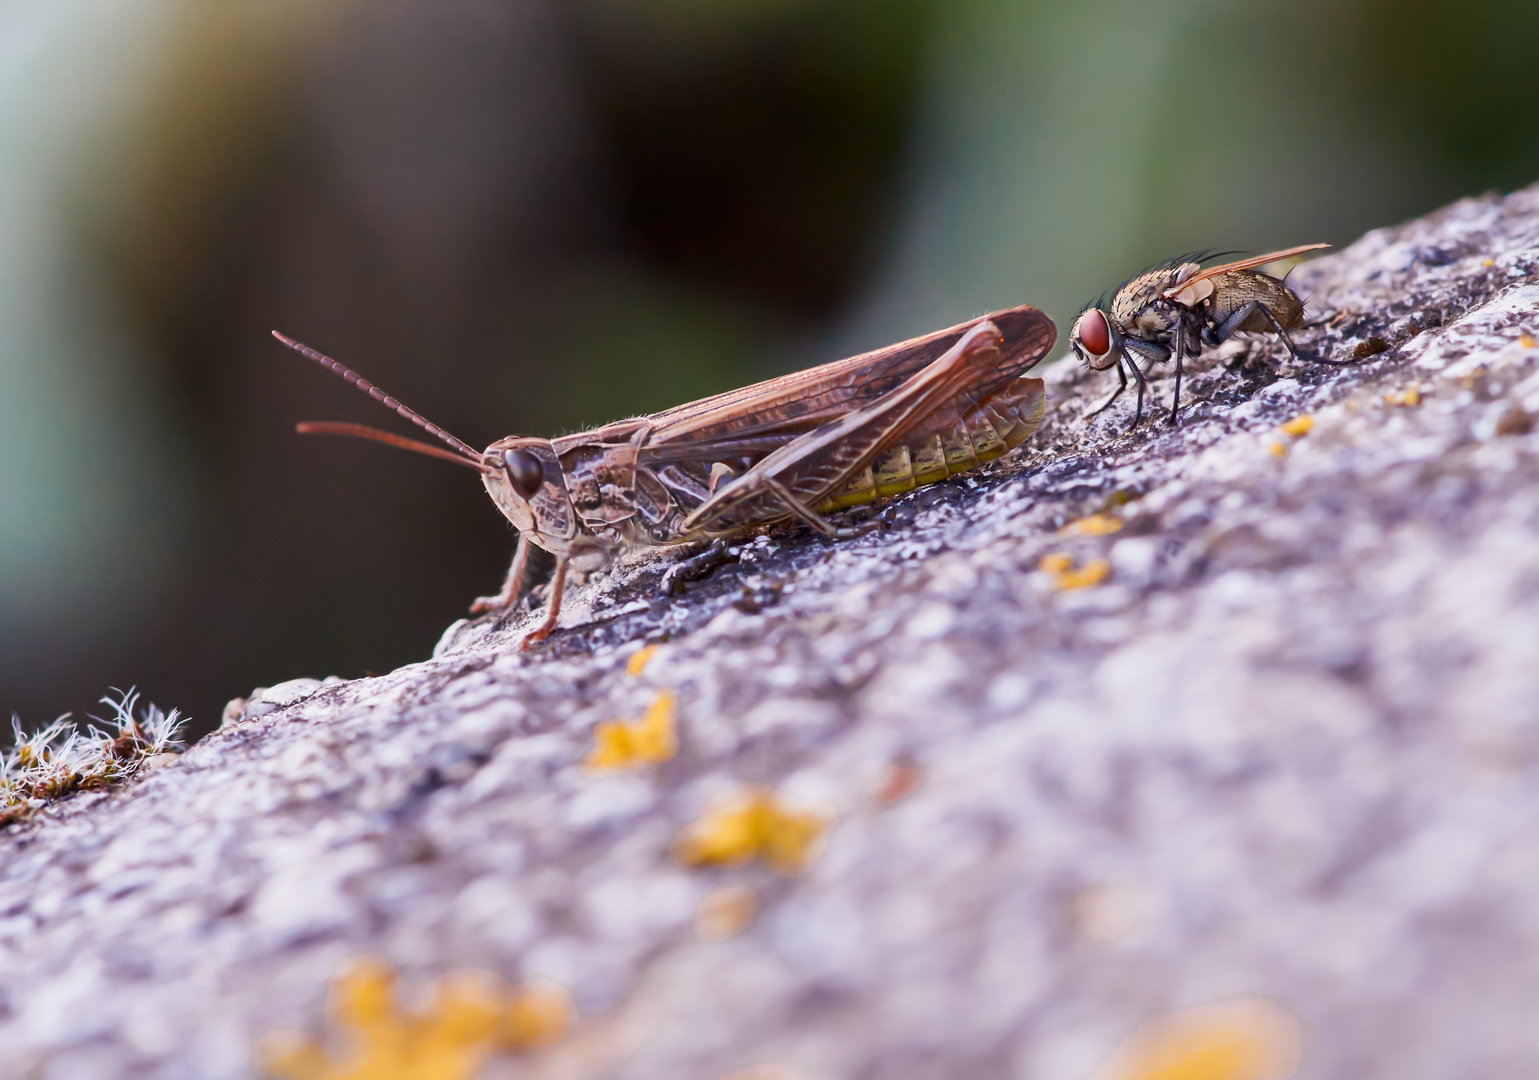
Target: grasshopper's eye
<point x="1093" y="333"/>
<point x="525" y="471"/>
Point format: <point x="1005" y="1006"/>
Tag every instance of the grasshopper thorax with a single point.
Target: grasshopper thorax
<point x="524" y="478"/>
<point x="1095" y="339"/>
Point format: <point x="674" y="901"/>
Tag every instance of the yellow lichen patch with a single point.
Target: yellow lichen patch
<point x="1253" y="1039"/>
<point x="635" y="744"/>
<point x="1278" y="450"/>
<point x="1489" y="262"/>
<point x="1094" y="525"/>
<point x="1299" y="426"/>
<point x="538" y="1016"/>
<point x="640" y="659"/>
<point x="1059" y="562"/>
<point x="1528" y="342"/>
<point x="471" y="1016"/>
<point x="1060" y="567"/>
<point x="725" y="912"/>
<point x="750" y="823"/>
<point x="1411" y="396"/>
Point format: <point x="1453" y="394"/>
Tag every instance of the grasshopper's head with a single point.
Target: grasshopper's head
<point x="524" y="478"/>
<point x="1095" y="339"/>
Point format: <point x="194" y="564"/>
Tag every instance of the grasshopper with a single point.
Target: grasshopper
<point x="797" y="447"/>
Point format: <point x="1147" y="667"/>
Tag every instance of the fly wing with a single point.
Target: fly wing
<point x="755" y="420"/>
<point x="1243" y="264"/>
<point x="815" y="464"/>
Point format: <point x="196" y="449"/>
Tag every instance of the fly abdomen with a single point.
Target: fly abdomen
<point x="1234" y="290"/>
<point x="983" y="433"/>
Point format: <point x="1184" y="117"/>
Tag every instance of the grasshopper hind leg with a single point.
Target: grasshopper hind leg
<point x="807" y="516"/>
<point x="696" y="567"/>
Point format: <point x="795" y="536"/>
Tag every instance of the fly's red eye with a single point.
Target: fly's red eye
<point x="1093" y="333"/>
<point x="525" y="471"/>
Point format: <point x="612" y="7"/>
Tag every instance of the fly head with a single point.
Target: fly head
<point x="1095" y="340"/>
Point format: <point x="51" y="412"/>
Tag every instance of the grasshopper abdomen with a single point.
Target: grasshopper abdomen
<point x="988" y="431"/>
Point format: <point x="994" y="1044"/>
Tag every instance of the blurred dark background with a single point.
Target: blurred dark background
<point x="531" y="215"/>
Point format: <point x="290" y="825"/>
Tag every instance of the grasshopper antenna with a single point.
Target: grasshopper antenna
<point x="466" y="455"/>
<point x="363" y="431"/>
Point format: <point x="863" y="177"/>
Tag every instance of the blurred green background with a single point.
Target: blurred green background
<point x="530" y="215"/>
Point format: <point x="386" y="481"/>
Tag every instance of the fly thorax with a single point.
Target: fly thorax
<point x="1156" y="320"/>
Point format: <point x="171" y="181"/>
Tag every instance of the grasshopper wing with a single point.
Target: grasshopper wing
<point x="758" y="419"/>
<point x="807" y="469"/>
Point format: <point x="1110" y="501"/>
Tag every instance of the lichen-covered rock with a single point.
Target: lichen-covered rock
<point x="1281" y="745"/>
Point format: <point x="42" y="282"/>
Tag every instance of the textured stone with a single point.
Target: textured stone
<point x="1288" y="749"/>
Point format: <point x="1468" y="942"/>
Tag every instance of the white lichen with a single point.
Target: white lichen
<point x="61" y="758"/>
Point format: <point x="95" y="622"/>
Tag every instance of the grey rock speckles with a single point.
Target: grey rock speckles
<point x="1294" y="735"/>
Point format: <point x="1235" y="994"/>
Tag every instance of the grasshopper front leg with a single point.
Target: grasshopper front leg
<point x="552" y="606"/>
<point x="511" y="587"/>
<point x="587" y="554"/>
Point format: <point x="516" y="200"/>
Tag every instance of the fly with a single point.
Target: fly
<point x="1173" y="310"/>
<point x="794" y="448"/>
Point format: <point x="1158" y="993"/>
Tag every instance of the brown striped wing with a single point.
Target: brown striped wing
<point x="756" y="420"/>
<point x="814" y="465"/>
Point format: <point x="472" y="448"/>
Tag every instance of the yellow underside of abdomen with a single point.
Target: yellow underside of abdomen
<point x="986" y="432"/>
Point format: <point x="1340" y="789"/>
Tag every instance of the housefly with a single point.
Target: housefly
<point x="1173" y="310"/>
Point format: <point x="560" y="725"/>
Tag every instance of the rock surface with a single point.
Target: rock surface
<point x="1288" y="748"/>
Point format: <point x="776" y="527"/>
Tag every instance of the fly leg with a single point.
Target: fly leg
<point x="1226" y="329"/>
<point x="511" y="587"/>
<point x="1175" y="399"/>
<point x="1154" y="353"/>
<point x="1242" y="315"/>
<point x="1143" y="383"/>
<point x="1122" y="384"/>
